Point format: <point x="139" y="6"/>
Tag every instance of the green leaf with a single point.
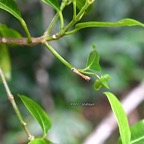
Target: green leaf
<point x="137" y="133"/>
<point x="5" y="63"/>
<point x="93" y="61"/>
<point x="104" y="79"/>
<point x="40" y="141"/>
<point x="38" y="113"/>
<point x="102" y="82"/>
<point x="97" y="84"/>
<point x="53" y="3"/>
<point x="11" y="7"/>
<point x="123" y="22"/>
<point x="81" y="3"/>
<point x="8" y="32"/>
<point x="121" y="118"/>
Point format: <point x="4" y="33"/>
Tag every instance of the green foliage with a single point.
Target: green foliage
<point x="11" y="7"/>
<point x="123" y="22"/>
<point x="92" y="65"/>
<point x="93" y="61"/>
<point x="121" y="117"/>
<point x="102" y="82"/>
<point x="5" y="63"/>
<point x="40" y="141"/>
<point x="38" y="113"/>
<point x="81" y="3"/>
<point x="137" y="136"/>
<point x="52" y="3"/>
<point x="8" y="32"/>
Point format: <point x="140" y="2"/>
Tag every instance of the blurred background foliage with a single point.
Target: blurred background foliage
<point x="37" y="74"/>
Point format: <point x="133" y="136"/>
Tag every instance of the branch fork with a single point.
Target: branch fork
<point x="87" y="78"/>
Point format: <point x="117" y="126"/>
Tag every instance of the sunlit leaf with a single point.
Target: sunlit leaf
<point x="97" y="84"/>
<point x="38" y="113"/>
<point x="52" y="3"/>
<point x="5" y="63"/>
<point x="40" y="141"/>
<point x="137" y="133"/>
<point x="123" y="22"/>
<point x="93" y="61"/>
<point x="8" y="32"/>
<point x="11" y="7"/>
<point x="104" y="79"/>
<point x="121" y="117"/>
<point x="102" y="82"/>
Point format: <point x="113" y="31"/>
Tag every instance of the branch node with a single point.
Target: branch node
<point x="87" y="78"/>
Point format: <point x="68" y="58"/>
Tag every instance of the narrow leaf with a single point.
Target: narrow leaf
<point x="137" y="133"/>
<point x="5" y="63"/>
<point x="40" y="141"/>
<point x="93" y="61"/>
<point x="8" y="32"/>
<point x="38" y="113"/>
<point x="52" y="3"/>
<point x="11" y="7"/>
<point x="123" y="22"/>
<point x="121" y="118"/>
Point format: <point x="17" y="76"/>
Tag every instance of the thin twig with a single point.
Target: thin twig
<point x="87" y="78"/>
<point x="14" y="105"/>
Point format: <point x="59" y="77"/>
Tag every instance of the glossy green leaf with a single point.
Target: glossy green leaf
<point x="137" y="133"/>
<point x="97" y="84"/>
<point x="40" y="141"/>
<point x="102" y="82"/>
<point x="104" y="79"/>
<point x="81" y="3"/>
<point x="93" y="61"/>
<point x="11" y="7"/>
<point x="5" y="63"/>
<point x="123" y="22"/>
<point x="121" y="117"/>
<point x="52" y="3"/>
<point x="38" y="113"/>
<point x="8" y="32"/>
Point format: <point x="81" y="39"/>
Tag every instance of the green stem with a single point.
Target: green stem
<point x="58" y="14"/>
<point x="52" y="24"/>
<point x="86" y="72"/>
<point x="14" y="105"/>
<point x="52" y="50"/>
<point x="71" y="32"/>
<point x="26" y="30"/>
<point x="74" y="9"/>
<point x="61" y="20"/>
<point x="78" y="17"/>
